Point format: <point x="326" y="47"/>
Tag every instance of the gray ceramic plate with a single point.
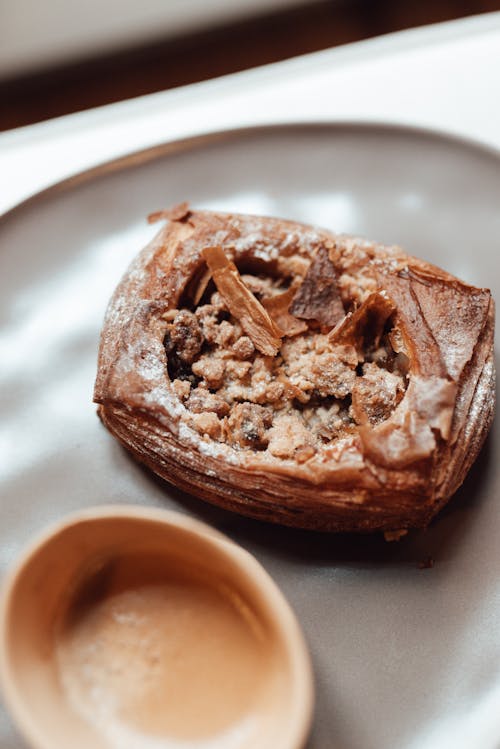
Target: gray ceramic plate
<point x="403" y="657"/>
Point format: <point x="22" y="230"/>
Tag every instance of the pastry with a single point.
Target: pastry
<point x="297" y="376"/>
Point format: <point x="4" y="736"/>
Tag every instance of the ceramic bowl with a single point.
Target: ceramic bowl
<point x="135" y="628"/>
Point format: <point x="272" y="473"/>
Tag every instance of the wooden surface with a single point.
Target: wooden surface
<point x="212" y="53"/>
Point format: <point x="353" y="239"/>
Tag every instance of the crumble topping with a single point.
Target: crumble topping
<point x="284" y="363"/>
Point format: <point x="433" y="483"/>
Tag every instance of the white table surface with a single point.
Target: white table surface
<point x="445" y="76"/>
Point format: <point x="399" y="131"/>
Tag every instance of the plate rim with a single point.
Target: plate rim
<point x="187" y="143"/>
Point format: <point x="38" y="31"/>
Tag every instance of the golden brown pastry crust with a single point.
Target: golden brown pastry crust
<point x="395" y="474"/>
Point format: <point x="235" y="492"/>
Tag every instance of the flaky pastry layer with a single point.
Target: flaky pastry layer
<point x="297" y="376"/>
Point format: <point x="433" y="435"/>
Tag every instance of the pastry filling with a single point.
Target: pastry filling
<point x="285" y="363"/>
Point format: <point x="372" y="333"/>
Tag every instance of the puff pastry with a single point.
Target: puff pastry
<point x="297" y="376"/>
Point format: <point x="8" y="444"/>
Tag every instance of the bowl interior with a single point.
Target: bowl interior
<point x="127" y="631"/>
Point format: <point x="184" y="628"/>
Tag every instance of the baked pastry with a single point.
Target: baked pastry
<point x="297" y="376"/>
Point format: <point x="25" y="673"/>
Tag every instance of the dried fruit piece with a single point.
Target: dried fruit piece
<point x="184" y="337"/>
<point x="255" y="321"/>
<point x="375" y="395"/>
<point x="278" y="306"/>
<point x="198" y="285"/>
<point x="318" y="297"/>
<point x="364" y="327"/>
<point x="249" y="423"/>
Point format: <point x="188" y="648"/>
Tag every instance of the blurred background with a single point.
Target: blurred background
<point x="62" y="56"/>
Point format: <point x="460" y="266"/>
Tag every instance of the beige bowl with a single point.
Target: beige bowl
<point x="134" y="628"/>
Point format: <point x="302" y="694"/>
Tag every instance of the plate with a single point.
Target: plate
<point x="403" y="656"/>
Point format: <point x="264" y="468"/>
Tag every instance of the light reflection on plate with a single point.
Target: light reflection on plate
<point x="402" y="656"/>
